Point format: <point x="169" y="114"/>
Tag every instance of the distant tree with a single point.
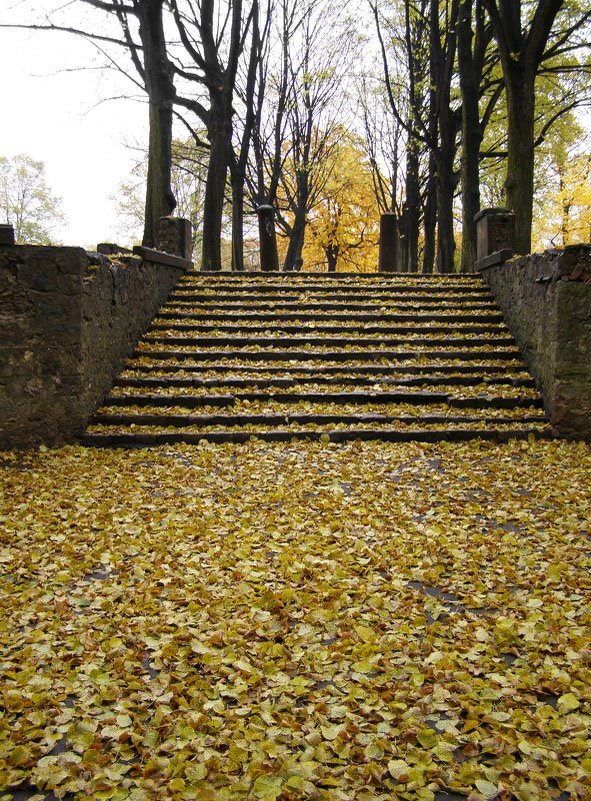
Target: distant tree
<point x="562" y="211"/>
<point x="343" y="226"/>
<point x="26" y="202"/>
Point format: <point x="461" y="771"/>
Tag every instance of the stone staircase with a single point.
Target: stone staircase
<point x="318" y="356"/>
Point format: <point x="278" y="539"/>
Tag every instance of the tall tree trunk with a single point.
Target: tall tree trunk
<point x="220" y="139"/>
<point x="157" y="73"/>
<point x="160" y="201"/>
<point x="293" y="257"/>
<point x="446" y="185"/>
<point x="430" y="217"/>
<point x="519" y="183"/>
<point x="238" y="223"/>
<point x="471" y="132"/>
<point x="412" y="209"/>
<point x="521" y="51"/>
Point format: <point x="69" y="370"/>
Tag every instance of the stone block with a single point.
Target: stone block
<point x="110" y="249"/>
<point x="495" y="231"/>
<point x="39" y="276"/>
<point x="6" y="234"/>
<point x="175" y="236"/>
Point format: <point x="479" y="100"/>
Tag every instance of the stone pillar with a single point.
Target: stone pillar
<point x="267" y="239"/>
<point x="388" y="243"/>
<point x="175" y="236"/>
<point x="6" y="235"/>
<point x="495" y="232"/>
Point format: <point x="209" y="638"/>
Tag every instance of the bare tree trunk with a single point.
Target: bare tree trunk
<point x="412" y="209"/>
<point x="430" y="217"/>
<point x="220" y="139"/>
<point x="293" y="257"/>
<point x="470" y="74"/>
<point x="157" y="74"/>
<point x="238" y="223"/>
<point x="446" y="185"/>
<point x="519" y="183"/>
<point x="521" y="52"/>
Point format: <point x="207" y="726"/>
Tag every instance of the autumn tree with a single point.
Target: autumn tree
<point x="528" y="35"/>
<point x="316" y="67"/>
<point x="344" y="224"/>
<point x="26" y="201"/>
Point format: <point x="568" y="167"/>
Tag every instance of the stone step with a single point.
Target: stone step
<point x="286" y="383"/>
<point x="497" y="341"/>
<point x="131" y="440"/>
<point x="326" y="279"/>
<point x="328" y="370"/>
<point x="391" y="317"/>
<point x="327" y="356"/>
<point x="168" y="419"/>
<point x="202" y="328"/>
<point x="359" y="398"/>
<point x="320" y="296"/>
<point x="255" y="304"/>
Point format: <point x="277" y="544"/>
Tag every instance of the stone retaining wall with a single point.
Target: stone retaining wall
<point x="68" y="320"/>
<point x="546" y="302"/>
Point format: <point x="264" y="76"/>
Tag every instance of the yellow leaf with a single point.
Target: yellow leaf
<point x="398" y="769"/>
<point x="568" y="703"/>
<point x="267" y="788"/>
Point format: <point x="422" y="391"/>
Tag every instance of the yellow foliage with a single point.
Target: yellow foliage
<point x="344" y="226"/>
<point x="566" y="210"/>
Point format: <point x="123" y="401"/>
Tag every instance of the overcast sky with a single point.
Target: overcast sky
<point x="57" y="116"/>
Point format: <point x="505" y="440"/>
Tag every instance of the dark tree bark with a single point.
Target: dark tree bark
<point x="470" y="72"/>
<point x="443" y="39"/>
<point x="239" y="161"/>
<point x="220" y="80"/>
<point x="521" y="52"/>
<point x="158" y="77"/>
<point x="156" y="72"/>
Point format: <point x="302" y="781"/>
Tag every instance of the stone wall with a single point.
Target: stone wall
<point x="546" y="302"/>
<point x="68" y="320"/>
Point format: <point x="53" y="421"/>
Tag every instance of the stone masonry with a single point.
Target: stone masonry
<point x="546" y="302"/>
<point x="68" y="319"/>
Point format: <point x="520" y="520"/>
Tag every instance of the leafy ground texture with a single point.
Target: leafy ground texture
<point x="304" y="621"/>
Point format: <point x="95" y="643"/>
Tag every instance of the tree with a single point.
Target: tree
<point x="316" y="67"/>
<point x="188" y="176"/>
<point x="213" y="35"/>
<point x="26" y="202"/>
<point x="344" y="225"/>
<point x="562" y="211"/>
<point x="474" y="38"/>
<point x="526" y="37"/>
<point x="139" y="31"/>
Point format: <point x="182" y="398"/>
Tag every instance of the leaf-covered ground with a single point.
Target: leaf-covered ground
<point x="308" y="621"/>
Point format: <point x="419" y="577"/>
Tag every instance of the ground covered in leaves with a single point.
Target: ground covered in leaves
<point x="308" y="621"/>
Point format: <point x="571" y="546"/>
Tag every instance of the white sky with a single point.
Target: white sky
<point x="56" y="116"/>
